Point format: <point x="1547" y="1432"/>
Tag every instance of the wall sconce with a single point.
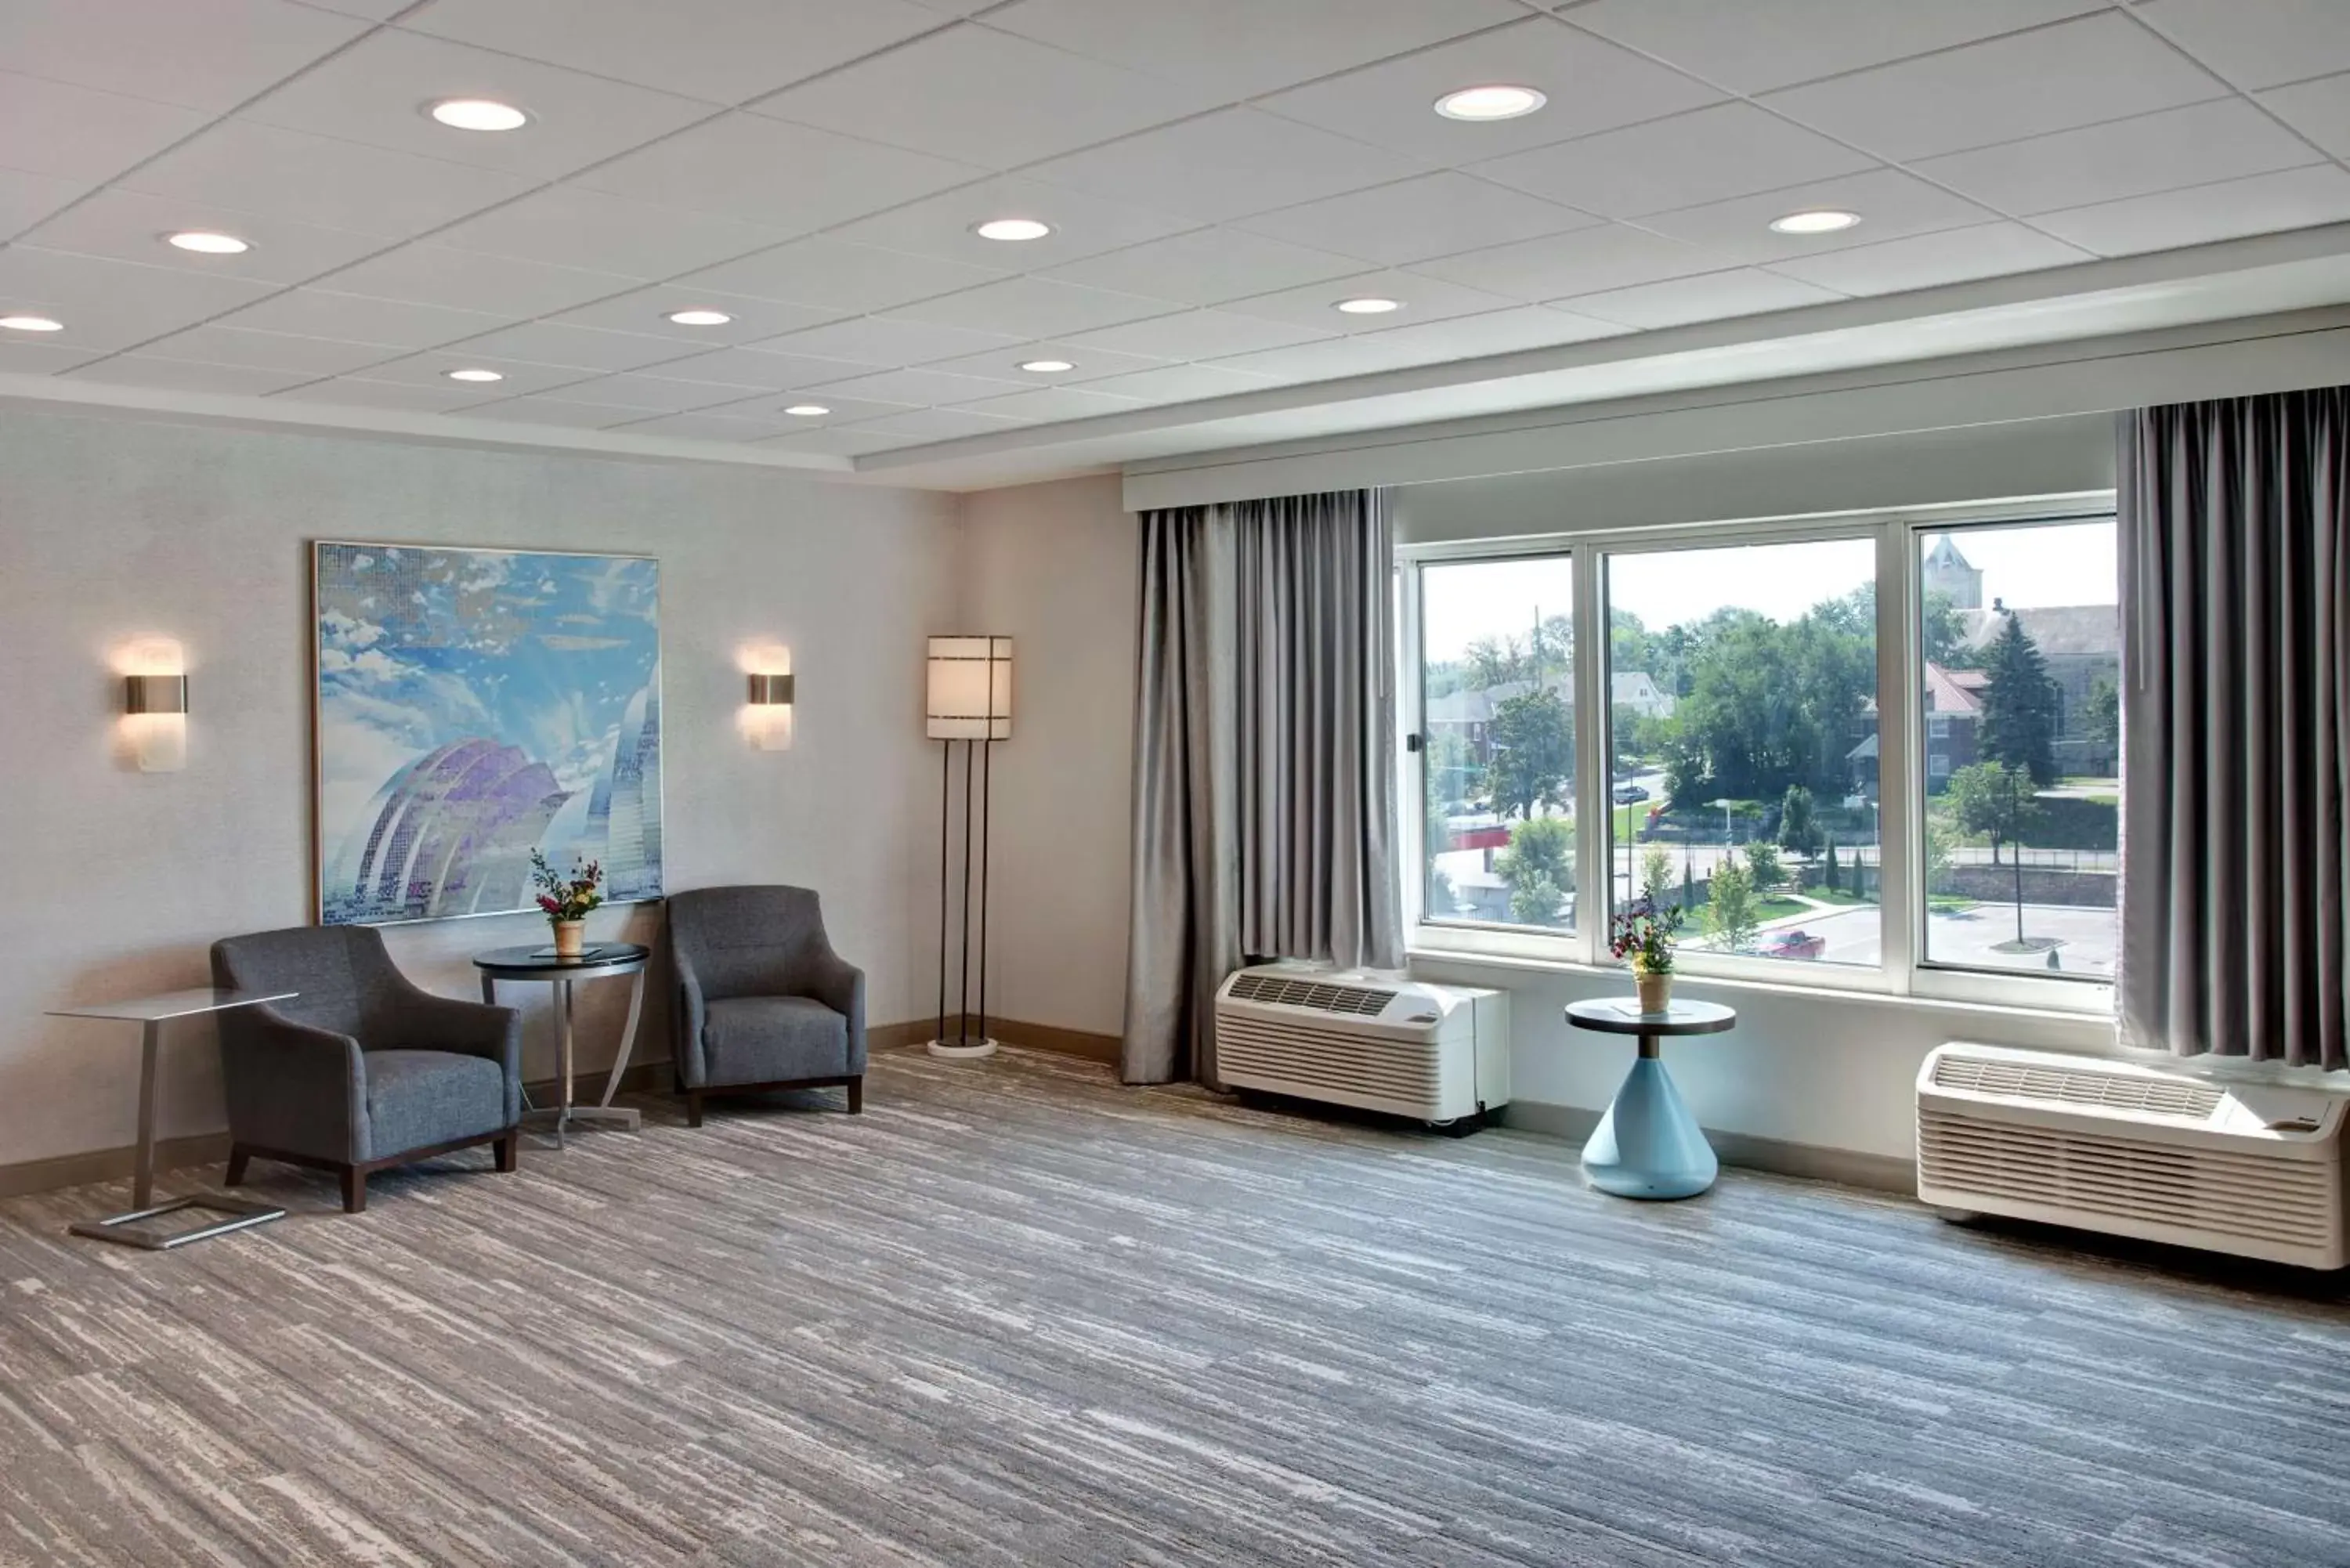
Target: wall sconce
<point x="155" y="707"/>
<point x="767" y="713"/>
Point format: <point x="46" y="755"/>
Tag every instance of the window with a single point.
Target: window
<point x="1743" y="749"/>
<point x="1937" y="726"/>
<point x="2021" y="647"/>
<point x="1497" y="750"/>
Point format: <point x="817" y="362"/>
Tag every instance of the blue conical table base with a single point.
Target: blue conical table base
<point x="1647" y="1145"/>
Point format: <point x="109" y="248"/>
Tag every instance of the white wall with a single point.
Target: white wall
<point x="1054" y="566"/>
<point x="117" y="881"/>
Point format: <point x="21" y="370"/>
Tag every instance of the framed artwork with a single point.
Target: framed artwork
<point x="473" y="706"/>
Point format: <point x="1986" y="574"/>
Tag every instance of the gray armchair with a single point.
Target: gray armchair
<point x="362" y="1070"/>
<point x="764" y="1002"/>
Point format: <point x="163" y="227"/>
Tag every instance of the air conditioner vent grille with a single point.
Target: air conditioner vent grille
<point x="1318" y="996"/>
<point x="2084" y="1085"/>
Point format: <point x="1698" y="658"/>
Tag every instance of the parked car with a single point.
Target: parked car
<point x="1630" y="794"/>
<point x="1794" y="944"/>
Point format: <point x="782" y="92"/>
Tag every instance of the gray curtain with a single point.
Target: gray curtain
<point x="2235" y="538"/>
<point x="1265" y="809"/>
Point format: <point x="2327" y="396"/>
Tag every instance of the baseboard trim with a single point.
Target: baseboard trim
<point x="1879" y="1172"/>
<point x="32" y="1176"/>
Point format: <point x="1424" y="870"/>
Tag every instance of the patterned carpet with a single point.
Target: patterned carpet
<point x="1015" y="1315"/>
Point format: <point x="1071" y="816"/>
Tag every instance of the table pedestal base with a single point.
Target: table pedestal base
<point x="1647" y="1145"/>
<point x="560" y="1120"/>
<point x="125" y="1228"/>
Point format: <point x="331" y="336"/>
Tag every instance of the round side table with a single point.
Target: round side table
<point x="1647" y="1145"/>
<point x="599" y="961"/>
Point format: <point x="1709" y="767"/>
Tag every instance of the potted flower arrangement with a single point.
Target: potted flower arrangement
<point x="566" y="899"/>
<point x="1643" y="934"/>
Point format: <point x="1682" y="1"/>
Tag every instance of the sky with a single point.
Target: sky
<point x="2057" y="564"/>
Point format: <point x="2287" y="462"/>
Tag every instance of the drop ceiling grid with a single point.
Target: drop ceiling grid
<point x="447" y="264"/>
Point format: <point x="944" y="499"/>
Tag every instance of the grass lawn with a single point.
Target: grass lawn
<point x="1837" y="896"/>
<point x="1777" y="906"/>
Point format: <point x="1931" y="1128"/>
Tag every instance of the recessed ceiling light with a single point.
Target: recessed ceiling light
<point x="1825" y="220"/>
<point x="807" y="410"/>
<point x="1046" y="366"/>
<point x="1012" y="229"/>
<point x="205" y="243"/>
<point x="475" y="374"/>
<point x="478" y="114"/>
<point x="699" y="317"/>
<point x="1489" y="103"/>
<point x="31" y="323"/>
<point x="1369" y="305"/>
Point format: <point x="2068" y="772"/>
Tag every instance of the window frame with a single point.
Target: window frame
<point x="1901" y="752"/>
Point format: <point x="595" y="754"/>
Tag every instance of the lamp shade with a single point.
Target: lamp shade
<point x="970" y="689"/>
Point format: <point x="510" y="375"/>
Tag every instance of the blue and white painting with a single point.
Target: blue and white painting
<point x="475" y="705"/>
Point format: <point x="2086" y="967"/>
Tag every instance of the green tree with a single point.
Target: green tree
<point x="1657" y="875"/>
<point x="2101" y="717"/>
<point x="1831" y="876"/>
<point x="1496" y="660"/>
<point x="1730" y="917"/>
<point x="1938" y="847"/>
<point x="1762" y="866"/>
<point x="1799" y="828"/>
<point x="1945" y="633"/>
<point x="1689" y="881"/>
<point x="1539" y="867"/>
<point x="1769" y="706"/>
<point x="2020" y="704"/>
<point x="1998" y="802"/>
<point x="1532" y="737"/>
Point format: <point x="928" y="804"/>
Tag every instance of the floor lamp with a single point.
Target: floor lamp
<point x="971" y="702"/>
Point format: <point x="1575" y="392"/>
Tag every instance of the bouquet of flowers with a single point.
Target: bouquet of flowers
<point x="567" y="898"/>
<point x="1643" y="934"/>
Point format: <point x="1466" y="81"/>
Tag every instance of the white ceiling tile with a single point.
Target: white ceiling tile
<point x="653" y="394"/>
<point x="1890" y="204"/>
<point x="1730" y="149"/>
<point x="27" y="199"/>
<point x="1183" y="383"/>
<point x="984" y="96"/>
<point x="2319" y="111"/>
<point x="113" y="305"/>
<point x="1092" y="364"/>
<point x="758" y="369"/>
<point x="889" y="342"/>
<point x="1326" y="361"/>
<point x="940" y="424"/>
<point x="1241" y="47"/>
<point x="321" y="180"/>
<point x="376" y="92"/>
<point x="2258" y="43"/>
<point x="1423" y="299"/>
<point x="1411" y="220"/>
<point x="370" y="10"/>
<point x="21" y="357"/>
<point x="2292" y="199"/>
<point x="1924" y="261"/>
<point x="354" y="319"/>
<point x="425" y="274"/>
<point x="357" y="392"/>
<point x="1592" y="85"/>
<point x="1052" y="403"/>
<point x="582" y="348"/>
<point x="76" y="133"/>
<point x="839" y="443"/>
<point x="554" y="413"/>
<point x="824" y="271"/>
<point x="1201" y="335"/>
<point x="130" y="226"/>
<point x="645" y="311"/>
<point x="1207" y="265"/>
<point x="2222" y="140"/>
<point x="1035" y="308"/>
<point x="2028" y="84"/>
<point x="942" y="225"/>
<point x="1582" y="262"/>
<point x="1228" y="164"/>
<point x="914" y="386"/>
<point x="205" y="54"/>
<point x="837" y="409"/>
<point x="308" y="356"/>
<point x="723" y="50"/>
<point x="1497" y="332"/>
<point x="430" y="369"/>
<point x="573" y="226"/>
<point x="1709" y="296"/>
<point x="709" y="427"/>
<point x="1749" y="47"/>
<point x="795" y="178"/>
<point x="187" y="376"/>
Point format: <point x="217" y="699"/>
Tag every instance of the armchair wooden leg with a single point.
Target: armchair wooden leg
<point x="693" y="1107"/>
<point x="509" y="1149"/>
<point x="239" y="1157"/>
<point x="353" y="1189"/>
<point x="857" y="1096"/>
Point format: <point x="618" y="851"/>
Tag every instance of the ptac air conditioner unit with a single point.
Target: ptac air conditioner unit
<point x="1374" y="1041"/>
<point x="2143" y="1151"/>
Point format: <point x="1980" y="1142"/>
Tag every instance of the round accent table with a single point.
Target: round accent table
<point x="598" y="962"/>
<point x="1647" y="1145"/>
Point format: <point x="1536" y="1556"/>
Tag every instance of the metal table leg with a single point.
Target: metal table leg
<point x="627" y="1037"/>
<point x="566" y="1114"/>
<point x="122" y="1228"/>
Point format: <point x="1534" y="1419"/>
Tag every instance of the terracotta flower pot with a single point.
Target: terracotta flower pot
<point x="1656" y="991"/>
<point x="570" y="938"/>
